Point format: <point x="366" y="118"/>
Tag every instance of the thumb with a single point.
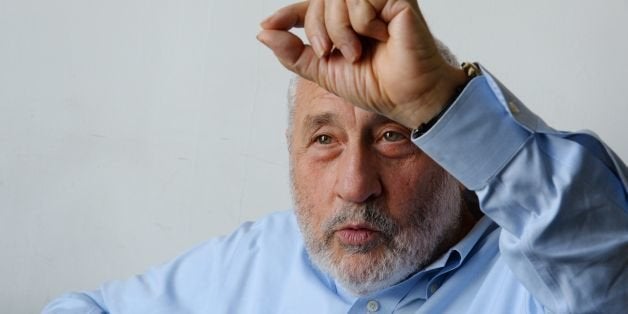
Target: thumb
<point x="291" y="52"/>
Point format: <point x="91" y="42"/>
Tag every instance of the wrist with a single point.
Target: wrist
<point x="440" y="97"/>
<point x="470" y="71"/>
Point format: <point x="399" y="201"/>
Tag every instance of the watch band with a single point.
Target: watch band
<point x="471" y="70"/>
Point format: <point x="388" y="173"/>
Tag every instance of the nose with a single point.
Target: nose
<point x="357" y="178"/>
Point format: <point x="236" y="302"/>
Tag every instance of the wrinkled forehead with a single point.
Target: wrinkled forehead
<point x="312" y="100"/>
<point x="309" y="95"/>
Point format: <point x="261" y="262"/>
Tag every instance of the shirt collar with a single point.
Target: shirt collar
<point x="417" y="286"/>
<point x="464" y="247"/>
<point x="450" y="261"/>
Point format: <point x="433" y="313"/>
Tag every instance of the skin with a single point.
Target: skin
<point x="344" y="158"/>
<point x="376" y="74"/>
<point x="386" y="59"/>
<point x="354" y="158"/>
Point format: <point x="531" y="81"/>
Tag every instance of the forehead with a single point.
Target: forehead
<point x="311" y="101"/>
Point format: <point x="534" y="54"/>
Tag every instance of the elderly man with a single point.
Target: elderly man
<point x="418" y="187"/>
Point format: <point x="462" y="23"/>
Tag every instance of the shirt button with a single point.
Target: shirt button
<point x="372" y="306"/>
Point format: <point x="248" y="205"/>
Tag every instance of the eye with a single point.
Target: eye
<point x="392" y="136"/>
<point x="323" y="139"/>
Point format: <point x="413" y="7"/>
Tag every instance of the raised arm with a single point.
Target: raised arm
<point x="560" y="198"/>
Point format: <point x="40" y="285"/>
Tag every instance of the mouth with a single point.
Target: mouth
<point x="356" y="234"/>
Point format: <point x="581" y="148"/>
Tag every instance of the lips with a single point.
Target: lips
<point x="356" y="235"/>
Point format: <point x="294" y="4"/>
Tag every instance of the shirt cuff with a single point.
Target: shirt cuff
<point x="479" y="134"/>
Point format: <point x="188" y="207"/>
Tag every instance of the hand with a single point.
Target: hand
<point x="385" y="59"/>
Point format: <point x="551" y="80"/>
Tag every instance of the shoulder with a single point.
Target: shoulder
<point x="243" y="263"/>
<point x="258" y="261"/>
<point x="277" y="226"/>
<point x="273" y="235"/>
<point x="250" y="241"/>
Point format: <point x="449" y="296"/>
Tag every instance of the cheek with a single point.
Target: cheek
<point x="312" y="186"/>
<point x="315" y="178"/>
<point x="408" y="182"/>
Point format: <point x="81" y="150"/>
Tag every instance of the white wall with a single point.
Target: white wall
<point x="132" y="130"/>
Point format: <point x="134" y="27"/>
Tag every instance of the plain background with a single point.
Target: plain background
<point x="132" y="130"/>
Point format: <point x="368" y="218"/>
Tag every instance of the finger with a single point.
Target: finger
<point x="291" y="52"/>
<point x="315" y="28"/>
<point x="340" y="31"/>
<point x="287" y="17"/>
<point x="365" y="21"/>
<point x="407" y="27"/>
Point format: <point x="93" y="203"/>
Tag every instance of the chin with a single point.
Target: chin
<point x="364" y="273"/>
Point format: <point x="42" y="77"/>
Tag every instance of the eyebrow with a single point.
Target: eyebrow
<point x="316" y="121"/>
<point x="313" y="122"/>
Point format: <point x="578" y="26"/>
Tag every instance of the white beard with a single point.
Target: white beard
<point x="408" y="245"/>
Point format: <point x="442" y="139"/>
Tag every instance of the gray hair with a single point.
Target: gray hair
<point x="444" y="51"/>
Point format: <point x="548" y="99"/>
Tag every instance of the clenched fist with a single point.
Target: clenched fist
<point x="377" y="54"/>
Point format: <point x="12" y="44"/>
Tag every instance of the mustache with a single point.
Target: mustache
<point x="371" y="214"/>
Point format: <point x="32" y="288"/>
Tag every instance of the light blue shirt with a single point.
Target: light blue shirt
<point x="554" y="237"/>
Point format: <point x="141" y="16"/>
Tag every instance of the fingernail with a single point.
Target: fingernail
<point x="348" y="52"/>
<point x="317" y="44"/>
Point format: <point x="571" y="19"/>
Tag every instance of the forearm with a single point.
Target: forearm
<point x="560" y="198"/>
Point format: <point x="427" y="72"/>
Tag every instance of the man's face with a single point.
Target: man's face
<point x="373" y="209"/>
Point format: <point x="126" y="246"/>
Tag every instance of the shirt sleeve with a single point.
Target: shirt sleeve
<point x="560" y="198"/>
